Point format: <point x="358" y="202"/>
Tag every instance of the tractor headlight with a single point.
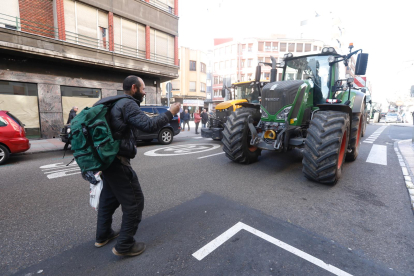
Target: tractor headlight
<point x="263" y="112"/>
<point x="68" y="130"/>
<point x="282" y="64"/>
<point x="283" y="115"/>
<point x="331" y="59"/>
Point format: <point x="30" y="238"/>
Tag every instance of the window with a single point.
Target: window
<point x="147" y="109"/>
<point x="291" y="47"/>
<point x="280" y="77"/>
<point x="283" y="47"/>
<point x="203" y="67"/>
<point x="243" y="63"/>
<point x="103" y="41"/>
<point x="274" y="46"/>
<point x="234" y="49"/>
<point x="249" y="76"/>
<point x="249" y="62"/>
<point x="3" y="122"/>
<point x="242" y="77"/>
<point x="261" y="47"/>
<point x="268" y="60"/>
<point x="227" y="64"/>
<point x="220" y="79"/>
<point x="299" y="47"/>
<point x="193" y="86"/>
<point x="161" y="110"/>
<point x="203" y="87"/>
<point x="267" y="76"/>
<point x="216" y="80"/>
<point x="250" y="47"/>
<point x="260" y="59"/>
<point x="268" y="46"/>
<point x="308" y="47"/>
<point x="315" y="48"/>
<point x="244" y="47"/>
<point x="193" y="65"/>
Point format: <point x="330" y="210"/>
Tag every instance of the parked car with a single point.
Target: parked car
<point x="12" y="136"/>
<point x="164" y="135"/>
<point x="392" y="118"/>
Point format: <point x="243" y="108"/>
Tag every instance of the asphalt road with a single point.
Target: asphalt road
<point x="289" y="225"/>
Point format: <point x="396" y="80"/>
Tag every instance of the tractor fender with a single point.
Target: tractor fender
<point x="359" y="102"/>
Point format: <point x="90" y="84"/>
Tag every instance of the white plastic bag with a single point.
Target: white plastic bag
<point x="95" y="192"/>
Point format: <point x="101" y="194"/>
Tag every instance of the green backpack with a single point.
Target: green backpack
<point x="91" y="138"/>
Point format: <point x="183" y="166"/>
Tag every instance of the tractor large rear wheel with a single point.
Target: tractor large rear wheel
<point x="357" y="129"/>
<point x="325" y="146"/>
<point x="237" y="136"/>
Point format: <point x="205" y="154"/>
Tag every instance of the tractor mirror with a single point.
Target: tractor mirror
<point x="361" y="64"/>
<point x="349" y="80"/>
<point x="363" y="90"/>
<point x="258" y="73"/>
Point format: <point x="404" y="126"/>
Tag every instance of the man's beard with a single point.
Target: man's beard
<point x="138" y="96"/>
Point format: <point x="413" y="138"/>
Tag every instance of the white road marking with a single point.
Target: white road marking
<point x="214" y="244"/>
<point x="182" y="149"/>
<point x="198" y="137"/>
<point x="210" y="155"/>
<point x="378" y="155"/>
<point x="56" y="170"/>
<point x="61" y="174"/>
<point x="375" y="135"/>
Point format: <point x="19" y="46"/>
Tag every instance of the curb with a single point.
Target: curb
<point x="408" y="174"/>
<point x="34" y="152"/>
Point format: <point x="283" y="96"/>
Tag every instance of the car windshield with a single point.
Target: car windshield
<point x="313" y="67"/>
<point x="247" y="91"/>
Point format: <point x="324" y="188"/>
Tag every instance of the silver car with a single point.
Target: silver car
<point x="392" y="118"/>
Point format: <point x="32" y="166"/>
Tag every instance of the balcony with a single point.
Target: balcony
<point x="162" y="6"/>
<point x="30" y="37"/>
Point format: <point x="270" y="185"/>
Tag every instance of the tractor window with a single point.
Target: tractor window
<point x="315" y="68"/>
<point x="247" y="91"/>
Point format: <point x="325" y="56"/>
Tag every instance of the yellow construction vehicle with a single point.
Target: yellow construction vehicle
<point x="239" y="93"/>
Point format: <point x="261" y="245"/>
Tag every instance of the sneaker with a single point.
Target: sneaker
<point x="114" y="235"/>
<point x="136" y="250"/>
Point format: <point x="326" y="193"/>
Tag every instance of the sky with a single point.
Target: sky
<point x="383" y="29"/>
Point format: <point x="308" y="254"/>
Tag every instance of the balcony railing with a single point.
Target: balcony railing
<point x="32" y="27"/>
<point x="162" y="6"/>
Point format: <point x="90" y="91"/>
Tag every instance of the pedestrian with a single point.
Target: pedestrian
<point x="72" y="114"/>
<point x="182" y="119"/>
<point x="197" y="120"/>
<point x="204" y="118"/>
<point x="403" y="117"/>
<point x="186" y="120"/>
<point x="120" y="182"/>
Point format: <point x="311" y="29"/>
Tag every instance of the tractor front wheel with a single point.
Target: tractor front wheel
<point x="357" y="129"/>
<point x="237" y="136"/>
<point x="325" y="146"/>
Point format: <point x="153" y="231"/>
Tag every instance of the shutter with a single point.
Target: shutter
<point x="170" y="46"/>
<point x="152" y="41"/>
<point x="103" y="19"/>
<point x="141" y="37"/>
<point x="70" y="20"/>
<point x="161" y="44"/>
<point x="117" y="32"/>
<point x="129" y="36"/>
<point x="87" y="25"/>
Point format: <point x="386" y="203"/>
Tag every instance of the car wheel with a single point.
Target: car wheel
<point x="4" y="154"/>
<point x="165" y="137"/>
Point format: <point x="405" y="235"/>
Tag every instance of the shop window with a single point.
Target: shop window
<point x="22" y="101"/>
<point x="77" y="96"/>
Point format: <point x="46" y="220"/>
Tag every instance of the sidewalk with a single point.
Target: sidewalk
<point x="45" y="145"/>
<point x="405" y="153"/>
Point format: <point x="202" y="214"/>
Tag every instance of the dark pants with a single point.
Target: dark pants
<point x="197" y="126"/>
<point x="120" y="187"/>
<point x="186" y="123"/>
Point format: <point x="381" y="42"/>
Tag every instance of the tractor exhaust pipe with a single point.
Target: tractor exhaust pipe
<point x="273" y="71"/>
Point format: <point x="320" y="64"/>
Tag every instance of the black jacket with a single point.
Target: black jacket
<point x="72" y="115"/>
<point x="125" y="114"/>
<point x="204" y="117"/>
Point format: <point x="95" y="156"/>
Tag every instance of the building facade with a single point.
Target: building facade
<point x="56" y="54"/>
<point x="190" y="87"/>
<point x="237" y="59"/>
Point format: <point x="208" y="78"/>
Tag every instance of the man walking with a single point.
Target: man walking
<point x="204" y="118"/>
<point x="72" y="114"/>
<point x="186" y="119"/>
<point x="120" y="182"/>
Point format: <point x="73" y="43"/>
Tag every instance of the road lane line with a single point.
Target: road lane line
<point x="67" y="170"/>
<point x="378" y="155"/>
<point x="375" y="135"/>
<point x="198" y="137"/>
<point x="214" y="244"/>
<point x="210" y="155"/>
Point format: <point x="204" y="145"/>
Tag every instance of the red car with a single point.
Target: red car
<point x="12" y="136"/>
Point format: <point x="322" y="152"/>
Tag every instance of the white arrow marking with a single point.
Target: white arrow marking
<point x="214" y="244"/>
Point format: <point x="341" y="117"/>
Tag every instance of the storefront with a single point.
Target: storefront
<point x="193" y="105"/>
<point x="79" y="97"/>
<point x="21" y="100"/>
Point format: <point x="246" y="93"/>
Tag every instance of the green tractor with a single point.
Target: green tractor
<point x="315" y="107"/>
